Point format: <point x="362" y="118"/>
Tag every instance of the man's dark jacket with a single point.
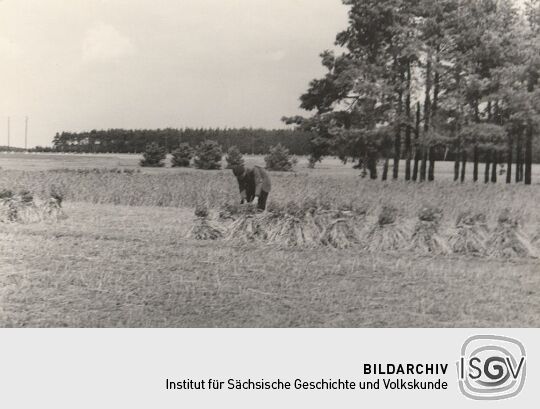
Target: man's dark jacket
<point x="253" y="182"/>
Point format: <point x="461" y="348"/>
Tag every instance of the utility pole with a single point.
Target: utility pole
<point x="8" y="132"/>
<point x="26" y="133"/>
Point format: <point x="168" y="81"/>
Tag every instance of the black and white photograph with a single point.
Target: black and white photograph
<point x="270" y="164"/>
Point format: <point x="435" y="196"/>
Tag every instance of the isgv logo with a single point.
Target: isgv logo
<point x="492" y="367"/>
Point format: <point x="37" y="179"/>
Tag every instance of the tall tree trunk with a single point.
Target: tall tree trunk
<point x="493" y="151"/>
<point x="509" y="159"/>
<point x="494" y="163"/>
<point x="476" y="148"/>
<point x="397" y="139"/>
<point x="408" y="147"/>
<point x="476" y="160"/>
<point x="434" y="108"/>
<point x="431" y="169"/>
<point x="427" y="98"/>
<point x="460" y="145"/>
<point x="533" y="79"/>
<point x="427" y="115"/>
<point x="416" y="143"/>
<point x="423" y="166"/>
<point x="486" y="170"/>
<point x="385" y="168"/>
<point x="463" y="164"/>
<point x="519" y="157"/>
<point x="522" y="163"/>
<point x="528" y="154"/>
<point x="456" y="167"/>
<point x="457" y="157"/>
<point x="372" y="166"/>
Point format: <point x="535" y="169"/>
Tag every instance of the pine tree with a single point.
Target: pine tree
<point x="153" y="156"/>
<point x="447" y="57"/>
<point x="181" y="156"/>
<point x="278" y="158"/>
<point x="208" y="155"/>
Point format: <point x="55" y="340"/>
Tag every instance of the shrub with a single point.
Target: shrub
<point x="153" y="156"/>
<point x="279" y="159"/>
<point x="181" y="157"/>
<point x="234" y="157"/>
<point x="208" y="155"/>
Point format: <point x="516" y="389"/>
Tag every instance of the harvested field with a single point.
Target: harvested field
<point x="330" y="183"/>
<point x="131" y="266"/>
<point x="132" y="253"/>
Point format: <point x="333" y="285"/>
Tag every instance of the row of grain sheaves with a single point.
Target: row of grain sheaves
<point x="313" y="226"/>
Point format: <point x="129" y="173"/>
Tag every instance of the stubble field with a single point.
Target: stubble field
<point x="121" y="258"/>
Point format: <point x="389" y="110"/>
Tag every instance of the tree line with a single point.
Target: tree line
<point x="247" y="140"/>
<point x="425" y="80"/>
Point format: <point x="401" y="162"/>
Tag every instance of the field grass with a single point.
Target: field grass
<point x="130" y="266"/>
<point x="187" y="188"/>
<point x="121" y="257"/>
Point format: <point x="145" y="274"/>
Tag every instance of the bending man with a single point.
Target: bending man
<point x="254" y="184"/>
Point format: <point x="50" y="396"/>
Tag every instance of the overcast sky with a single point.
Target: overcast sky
<point x="85" y="64"/>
